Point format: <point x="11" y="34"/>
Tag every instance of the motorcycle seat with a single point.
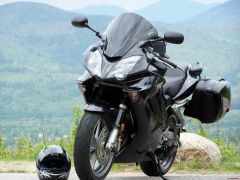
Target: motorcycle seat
<point x="175" y="79"/>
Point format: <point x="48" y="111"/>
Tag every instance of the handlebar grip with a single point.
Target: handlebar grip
<point x="160" y="66"/>
<point x="171" y="63"/>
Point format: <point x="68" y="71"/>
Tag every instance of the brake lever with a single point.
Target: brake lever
<point x="152" y="59"/>
<point x="167" y="62"/>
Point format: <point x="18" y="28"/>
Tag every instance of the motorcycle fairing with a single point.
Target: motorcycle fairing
<point x="125" y="31"/>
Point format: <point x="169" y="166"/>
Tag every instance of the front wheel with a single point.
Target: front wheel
<point x="92" y="161"/>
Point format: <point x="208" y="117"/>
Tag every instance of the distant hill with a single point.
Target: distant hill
<point x="40" y="59"/>
<point x="107" y="10"/>
<point x="172" y="11"/>
<point x="227" y="14"/>
<point x="168" y="11"/>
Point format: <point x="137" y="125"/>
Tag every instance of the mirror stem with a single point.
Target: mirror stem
<point x="98" y="34"/>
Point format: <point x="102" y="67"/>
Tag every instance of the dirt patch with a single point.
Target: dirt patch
<point x="18" y="167"/>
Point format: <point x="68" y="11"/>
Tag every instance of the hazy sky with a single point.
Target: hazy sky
<point x="75" y="4"/>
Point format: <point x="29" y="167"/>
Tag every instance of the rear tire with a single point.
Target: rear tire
<point x="165" y="156"/>
<point x="150" y="168"/>
<point x="83" y="149"/>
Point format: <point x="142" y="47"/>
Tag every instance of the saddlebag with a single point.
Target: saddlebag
<point x="210" y="100"/>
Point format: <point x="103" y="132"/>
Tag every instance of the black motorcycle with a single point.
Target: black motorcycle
<point x="135" y="97"/>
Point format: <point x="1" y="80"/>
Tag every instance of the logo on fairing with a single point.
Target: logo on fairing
<point x="150" y="33"/>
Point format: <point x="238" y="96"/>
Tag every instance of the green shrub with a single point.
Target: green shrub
<point x="4" y="152"/>
<point x="77" y="114"/>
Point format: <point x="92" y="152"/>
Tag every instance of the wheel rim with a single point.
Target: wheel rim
<point x="99" y="168"/>
<point x="165" y="160"/>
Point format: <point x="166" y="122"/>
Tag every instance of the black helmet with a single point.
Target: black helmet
<point x="53" y="163"/>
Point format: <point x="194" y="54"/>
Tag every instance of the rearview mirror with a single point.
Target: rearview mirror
<point x="80" y="21"/>
<point x="173" y="37"/>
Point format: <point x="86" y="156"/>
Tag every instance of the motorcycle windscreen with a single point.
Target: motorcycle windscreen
<point x="125" y="31"/>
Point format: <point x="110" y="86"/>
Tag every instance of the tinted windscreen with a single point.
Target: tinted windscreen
<point x="125" y="31"/>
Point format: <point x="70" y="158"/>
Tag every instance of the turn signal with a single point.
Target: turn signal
<point x="122" y="127"/>
<point x="82" y="88"/>
<point x="134" y="96"/>
<point x="229" y="108"/>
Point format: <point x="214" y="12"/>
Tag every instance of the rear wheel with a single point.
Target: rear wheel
<point x="165" y="155"/>
<point x="92" y="161"/>
<point x="165" y="161"/>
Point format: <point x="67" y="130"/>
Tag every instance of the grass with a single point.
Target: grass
<point x="119" y="167"/>
<point x="182" y="167"/>
<point x="13" y="171"/>
<point x="188" y="167"/>
<point x="207" y="168"/>
<point x="22" y="158"/>
<point x="17" y="167"/>
<point x="230" y="163"/>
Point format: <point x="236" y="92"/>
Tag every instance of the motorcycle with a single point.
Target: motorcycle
<point x="136" y="97"/>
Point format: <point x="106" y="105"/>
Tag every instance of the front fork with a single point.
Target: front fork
<point x="112" y="140"/>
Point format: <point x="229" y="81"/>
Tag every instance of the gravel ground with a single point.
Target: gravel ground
<point x="130" y="176"/>
<point x="26" y="171"/>
<point x="18" y="166"/>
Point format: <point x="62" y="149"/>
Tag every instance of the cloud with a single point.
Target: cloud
<point x="75" y="4"/>
<point x="210" y="1"/>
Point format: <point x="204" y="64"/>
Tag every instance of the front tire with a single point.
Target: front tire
<point x="88" y="166"/>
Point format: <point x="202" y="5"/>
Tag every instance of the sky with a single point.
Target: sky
<point x="126" y="4"/>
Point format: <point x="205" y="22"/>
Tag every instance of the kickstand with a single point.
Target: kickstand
<point x="163" y="177"/>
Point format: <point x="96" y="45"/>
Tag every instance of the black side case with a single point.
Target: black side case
<point x="210" y="101"/>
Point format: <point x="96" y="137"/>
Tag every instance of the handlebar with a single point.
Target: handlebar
<point x="168" y="62"/>
<point x="156" y="60"/>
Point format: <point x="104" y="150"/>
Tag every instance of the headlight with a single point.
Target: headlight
<point x="123" y="67"/>
<point x="94" y="63"/>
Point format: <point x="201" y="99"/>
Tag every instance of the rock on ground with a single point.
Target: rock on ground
<point x="195" y="147"/>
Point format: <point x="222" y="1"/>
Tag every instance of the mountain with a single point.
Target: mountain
<point x="39" y="63"/>
<point x="168" y="11"/>
<point x="172" y="11"/>
<point x="40" y="56"/>
<point x="221" y="15"/>
<point x="107" y="10"/>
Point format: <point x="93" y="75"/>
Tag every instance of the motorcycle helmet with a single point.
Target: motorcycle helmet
<point x="53" y="163"/>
